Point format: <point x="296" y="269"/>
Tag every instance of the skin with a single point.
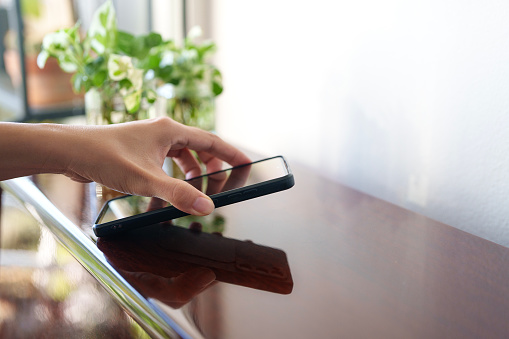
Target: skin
<point x="125" y="157"/>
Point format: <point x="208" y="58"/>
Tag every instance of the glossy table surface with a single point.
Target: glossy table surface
<point x="322" y="260"/>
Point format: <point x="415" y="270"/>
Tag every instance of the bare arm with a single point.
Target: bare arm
<point x="125" y="157"/>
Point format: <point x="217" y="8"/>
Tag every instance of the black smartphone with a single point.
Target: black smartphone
<point x="224" y="187"/>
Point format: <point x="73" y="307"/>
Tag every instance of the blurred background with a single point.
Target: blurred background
<point x="406" y="101"/>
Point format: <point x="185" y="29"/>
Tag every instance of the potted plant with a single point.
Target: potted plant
<point x="188" y="80"/>
<point x="123" y="75"/>
<point x="116" y="90"/>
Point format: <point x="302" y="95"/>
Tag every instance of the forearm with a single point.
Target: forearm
<point x="27" y="149"/>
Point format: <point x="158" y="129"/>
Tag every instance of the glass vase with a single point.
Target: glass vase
<point x="191" y="103"/>
<point x="103" y="107"/>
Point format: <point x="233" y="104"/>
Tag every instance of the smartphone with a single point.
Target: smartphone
<point x="224" y="188"/>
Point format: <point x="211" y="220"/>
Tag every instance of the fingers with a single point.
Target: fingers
<point x="187" y="163"/>
<point x="212" y="163"/>
<point x="202" y="141"/>
<point x="190" y="166"/>
<point x="237" y="178"/>
<point x="215" y="181"/>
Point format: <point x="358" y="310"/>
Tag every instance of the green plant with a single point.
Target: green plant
<point x="97" y="61"/>
<point x="135" y="67"/>
<point x="194" y="82"/>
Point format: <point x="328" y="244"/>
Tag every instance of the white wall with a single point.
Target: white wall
<point x="405" y="100"/>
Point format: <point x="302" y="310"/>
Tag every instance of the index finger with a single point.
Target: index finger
<point x="202" y="141"/>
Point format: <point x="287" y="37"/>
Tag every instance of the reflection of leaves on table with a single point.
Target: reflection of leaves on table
<point x="214" y="223"/>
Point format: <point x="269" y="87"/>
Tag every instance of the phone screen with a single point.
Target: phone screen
<point x="232" y="179"/>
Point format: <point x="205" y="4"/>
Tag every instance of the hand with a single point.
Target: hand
<point x="129" y="157"/>
<point x="125" y="157"/>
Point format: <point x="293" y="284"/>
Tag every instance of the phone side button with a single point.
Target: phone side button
<point x="251" y="191"/>
<point x="235" y="196"/>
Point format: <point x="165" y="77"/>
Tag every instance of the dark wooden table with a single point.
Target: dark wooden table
<point x="359" y="268"/>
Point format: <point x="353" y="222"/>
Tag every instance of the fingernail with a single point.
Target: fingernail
<point x="203" y="205"/>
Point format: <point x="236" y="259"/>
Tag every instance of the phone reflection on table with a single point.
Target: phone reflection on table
<point x="174" y="264"/>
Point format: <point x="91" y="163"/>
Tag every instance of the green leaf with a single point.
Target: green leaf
<point x="119" y="66"/>
<point x="217" y="82"/>
<point x="99" y="78"/>
<point x="57" y="42"/>
<point x="150" y="62"/>
<point x="103" y="29"/>
<point x="77" y="82"/>
<point x="80" y="83"/>
<point x="151" y="96"/>
<point x="217" y="88"/>
<point x="152" y="40"/>
<point x="205" y="48"/>
<point x="132" y="101"/>
<point x="138" y="48"/>
<point x="165" y="74"/>
<point x="66" y="64"/>
<point x="125" y="42"/>
<point x="95" y="65"/>
<point x="73" y="32"/>
<point x="125" y="83"/>
<point x="42" y="58"/>
<point x="98" y="45"/>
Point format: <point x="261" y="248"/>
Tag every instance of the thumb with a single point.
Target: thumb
<point x="184" y="196"/>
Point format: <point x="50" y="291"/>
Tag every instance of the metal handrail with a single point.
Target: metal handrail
<point x="155" y="322"/>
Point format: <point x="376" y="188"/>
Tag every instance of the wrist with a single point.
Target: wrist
<point x="53" y="144"/>
<point x="27" y="149"/>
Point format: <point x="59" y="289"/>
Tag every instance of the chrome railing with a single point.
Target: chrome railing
<point x="148" y="315"/>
